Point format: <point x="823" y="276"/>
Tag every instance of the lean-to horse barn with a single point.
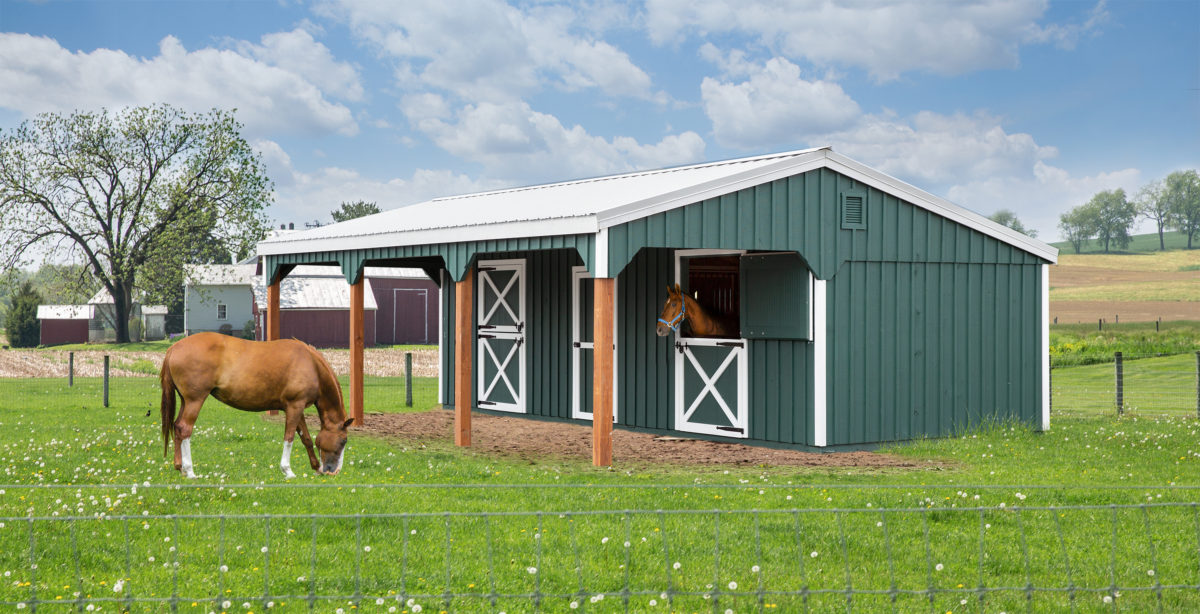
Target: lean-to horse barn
<point x="868" y="310"/>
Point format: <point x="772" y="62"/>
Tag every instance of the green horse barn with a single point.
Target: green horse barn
<point x="867" y="310"/>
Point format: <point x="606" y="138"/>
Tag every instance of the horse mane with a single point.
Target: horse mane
<point x="327" y="376"/>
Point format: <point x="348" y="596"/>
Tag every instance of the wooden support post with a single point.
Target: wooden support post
<point x="356" y="350"/>
<point x="464" y="324"/>
<point x="602" y="375"/>
<point x="1120" y="384"/>
<point x="272" y="332"/>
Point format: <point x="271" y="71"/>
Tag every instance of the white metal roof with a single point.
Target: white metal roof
<point x="314" y="292"/>
<point x="154" y="310"/>
<point x="588" y="205"/>
<point x="219" y="274"/>
<point x="64" y="312"/>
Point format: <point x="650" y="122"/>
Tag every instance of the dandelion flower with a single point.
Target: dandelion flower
<point x="677" y="565"/>
<point x="733" y="586"/>
<point x="939" y="567"/>
<point x="531" y="570"/>
<point x="813" y="554"/>
<point x="1107" y="599"/>
<point x="754" y="569"/>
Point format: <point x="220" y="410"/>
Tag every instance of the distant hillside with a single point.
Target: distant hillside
<point x="1141" y="244"/>
<point x="1131" y="287"/>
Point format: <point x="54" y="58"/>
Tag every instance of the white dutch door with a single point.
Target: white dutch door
<point x="711" y="375"/>
<point x="501" y="332"/>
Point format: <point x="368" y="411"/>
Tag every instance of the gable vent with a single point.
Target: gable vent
<point x="854" y="215"/>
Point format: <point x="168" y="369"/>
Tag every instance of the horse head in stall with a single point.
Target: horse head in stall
<point x="286" y="375"/>
<point x="680" y="308"/>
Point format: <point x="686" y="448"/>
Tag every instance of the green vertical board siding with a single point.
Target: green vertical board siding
<point x="645" y="361"/>
<point x="928" y="349"/>
<point x="781" y="384"/>
<point x="801" y="213"/>
<point x="455" y="256"/>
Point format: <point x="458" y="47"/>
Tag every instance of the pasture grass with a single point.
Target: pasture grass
<point x="976" y="509"/>
<point x="1084" y="344"/>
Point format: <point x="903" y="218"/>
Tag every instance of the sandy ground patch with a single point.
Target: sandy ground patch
<point x="538" y="440"/>
<point x="1072" y="312"/>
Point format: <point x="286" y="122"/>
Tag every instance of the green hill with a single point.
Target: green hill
<point x="1141" y="244"/>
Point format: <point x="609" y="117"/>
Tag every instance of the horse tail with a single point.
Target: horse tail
<point x="168" y="402"/>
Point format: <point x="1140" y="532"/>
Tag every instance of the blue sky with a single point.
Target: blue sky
<point x="1021" y="104"/>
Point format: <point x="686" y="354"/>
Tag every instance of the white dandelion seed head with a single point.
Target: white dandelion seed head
<point x="416" y="608"/>
<point x="1107" y="599"/>
<point x="531" y="570"/>
<point x="813" y="554"/>
<point x="676" y="565"/>
<point x="939" y="567"/>
<point x="733" y="586"/>
<point x="366" y="548"/>
<point x="264" y="549"/>
<point x="755" y="569"/>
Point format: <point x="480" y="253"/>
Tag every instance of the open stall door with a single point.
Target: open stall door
<point x="501" y="333"/>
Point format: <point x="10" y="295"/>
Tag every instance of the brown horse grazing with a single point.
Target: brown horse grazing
<point x="680" y="308"/>
<point x="287" y="375"/>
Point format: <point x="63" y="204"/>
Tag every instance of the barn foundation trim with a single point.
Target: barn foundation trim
<point x="464" y="301"/>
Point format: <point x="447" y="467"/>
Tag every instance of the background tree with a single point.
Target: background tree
<point x="1113" y="217"/>
<point x="23" y="328"/>
<point x="351" y="210"/>
<point x="124" y="193"/>
<point x="1078" y="226"/>
<point x="1181" y="190"/>
<point x="1004" y="217"/>
<point x="1152" y="205"/>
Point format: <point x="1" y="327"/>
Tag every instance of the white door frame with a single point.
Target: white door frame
<point x="516" y="333"/>
<point x="579" y="273"/>
<point x="424" y="292"/>
<point x="685" y="360"/>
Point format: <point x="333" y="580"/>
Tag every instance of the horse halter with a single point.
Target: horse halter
<point x="678" y="319"/>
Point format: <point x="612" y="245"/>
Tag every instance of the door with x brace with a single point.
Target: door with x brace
<point x="501" y="333"/>
<point x="710" y="386"/>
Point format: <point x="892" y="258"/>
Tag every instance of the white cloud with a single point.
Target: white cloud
<point x="1039" y="198"/>
<point x="298" y="53"/>
<point x="886" y="39"/>
<point x="931" y="148"/>
<point x="773" y="105"/>
<point x="307" y="196"/>
<point x="39" y="75"/>
<point x="515" y="142"/>
<point x="489" y="51"/>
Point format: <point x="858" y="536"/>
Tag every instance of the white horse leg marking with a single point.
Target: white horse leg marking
<point x="285" y="463"/>
<point x="185" y="448"/>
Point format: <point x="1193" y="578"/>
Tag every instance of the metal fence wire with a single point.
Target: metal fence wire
<point x="1135" y="558"/>
<point x="1141" y="383"/>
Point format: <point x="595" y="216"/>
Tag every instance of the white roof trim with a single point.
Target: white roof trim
<point x="765" y="171"/>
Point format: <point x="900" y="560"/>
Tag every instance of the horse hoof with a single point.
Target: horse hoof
<point x="287" y="475"/>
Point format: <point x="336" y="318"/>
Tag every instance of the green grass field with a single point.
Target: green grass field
<point x="106" y="526"/>
<point x="1140" y="244"/>
<point x="1084" y="344"/>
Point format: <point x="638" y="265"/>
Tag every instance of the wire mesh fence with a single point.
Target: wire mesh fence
<point x="1142" y="383"/>
<point x="1141" y="558"/>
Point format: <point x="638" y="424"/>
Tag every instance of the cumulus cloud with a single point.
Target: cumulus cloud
<point x="37" y="75"/>
<point x="305" y="196"/>
<point x="773" y="105"/>
<point x="300" y="54"/>
<point x="490" y="51"/>
<point x="514" y="141"/>
<point x="885" y="39"/>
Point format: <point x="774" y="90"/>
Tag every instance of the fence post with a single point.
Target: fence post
<point x="106" y="380"/>
<point x="1100" y="324"/>
<point x="1120" y="385"/>
<point x="71" y="369"/>
<point x="408" y="378"/>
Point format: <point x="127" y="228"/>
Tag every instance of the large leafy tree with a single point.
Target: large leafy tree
<point x="129" y="193"/>
<point x="1005" y="217"/>
<point x="1181" y="190"/>
<point x="351" y="210"/>
<point x="1153" y="205"/>
<point x="1113" y="216"/>
<point x="1078" y="226"/>
<point x="23" y="327"/>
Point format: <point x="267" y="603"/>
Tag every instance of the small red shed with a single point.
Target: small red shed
<point x="64" y="323"/>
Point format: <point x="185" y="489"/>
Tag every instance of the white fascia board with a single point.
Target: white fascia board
<point x="712" y="189"/>
<point x="865" y="174"/>
<point x="583" y="224"/>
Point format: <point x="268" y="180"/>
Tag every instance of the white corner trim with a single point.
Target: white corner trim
<point x="441" y="335"/>
<point x="601" y="263"/>
<point x="820" y="367"/>
<point x="1045" y="347"/>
